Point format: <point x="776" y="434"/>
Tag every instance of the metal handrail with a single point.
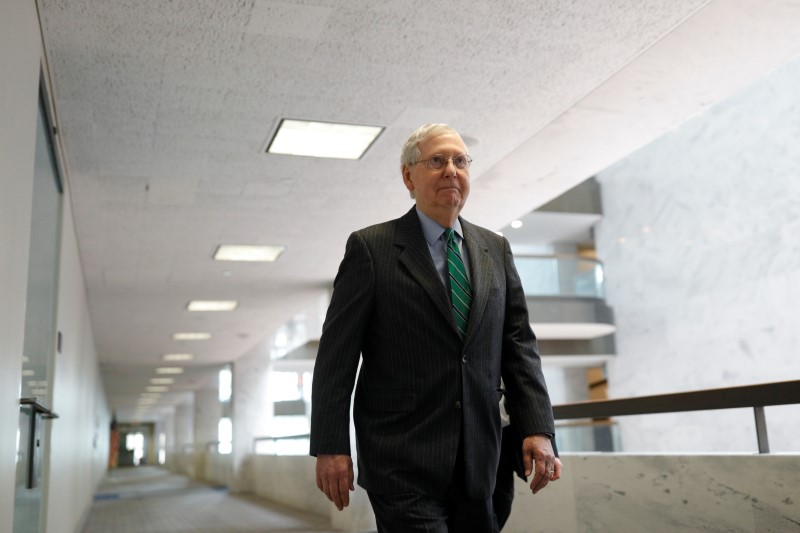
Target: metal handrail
<point x="256" y="440"/>
<point x="568" y="257"/>
<point x="755" y="396"/>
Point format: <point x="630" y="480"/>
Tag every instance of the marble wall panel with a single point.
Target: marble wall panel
<point x="664" y="493"/>
<point x="701" y="244"/>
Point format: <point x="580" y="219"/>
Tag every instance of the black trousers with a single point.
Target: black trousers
<point x="418" y="513"/>
<point x="452" y="512"/>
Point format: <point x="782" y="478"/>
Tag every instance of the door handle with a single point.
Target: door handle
<point x="37" y="410"/>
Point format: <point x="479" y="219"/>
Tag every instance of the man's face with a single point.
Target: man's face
<point x="443" y="190"/>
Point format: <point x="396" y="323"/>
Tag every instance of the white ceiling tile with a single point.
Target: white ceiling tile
<point x="288" y="20"/>
<point x="183" y="96"/>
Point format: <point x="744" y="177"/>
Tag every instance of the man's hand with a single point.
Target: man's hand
<point x="335" y="478"/>
<point x="538" y="457"/>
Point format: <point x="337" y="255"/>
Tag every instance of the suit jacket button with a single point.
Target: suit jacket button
<point x="458" y="405"/>
<point x="464" y="358"/>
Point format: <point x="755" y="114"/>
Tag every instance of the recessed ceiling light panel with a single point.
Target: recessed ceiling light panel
<point x="212" y="305"/>
<point x="322" y="139"/>
<point x="162" y="381"/>
<point x="245" y="252"/>
<point x="191" y="336"/>
<point x="177" y="357"/>
<point x="169" y="370"/>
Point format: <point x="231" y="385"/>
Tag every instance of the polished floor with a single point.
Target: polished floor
<point x="153" y="500"/>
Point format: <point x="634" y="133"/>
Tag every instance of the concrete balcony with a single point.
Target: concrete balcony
<point x="566" y="302"/>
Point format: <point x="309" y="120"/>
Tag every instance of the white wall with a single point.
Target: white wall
<point x="19" y="64"/>
<point x="708" y="297"/>
<point x="80" y="437"/>
<point x="291" y="480"/>
<point x="207" y="412"/>
<point x="184" y="425"/>
<point x="167" y="426"/>
<point x="252" y="412"/>
<point x="180" y="454"/>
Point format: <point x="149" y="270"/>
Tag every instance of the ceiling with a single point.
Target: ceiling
<point x="164" y="110"/>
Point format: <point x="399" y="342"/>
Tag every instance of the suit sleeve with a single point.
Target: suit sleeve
<point x="340" y="349"/>
<point x="528" y="400"/>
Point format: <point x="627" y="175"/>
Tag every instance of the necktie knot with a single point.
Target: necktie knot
<point x="450" y="235"/>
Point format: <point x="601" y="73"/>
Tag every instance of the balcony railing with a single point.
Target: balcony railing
<point x="755" y="396"/>
<point x="283" y="445"/>
<point x="560" y="275"/>
<point x="597" y="432"/>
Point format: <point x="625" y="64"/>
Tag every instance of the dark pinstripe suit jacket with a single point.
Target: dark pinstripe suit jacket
<point x="420" y="386"/>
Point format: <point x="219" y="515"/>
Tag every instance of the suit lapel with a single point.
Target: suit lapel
<point x="416" y="258"/>
<point x="481" y="269"/>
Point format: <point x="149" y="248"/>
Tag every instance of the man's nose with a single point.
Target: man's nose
<point x="450" y="167"/>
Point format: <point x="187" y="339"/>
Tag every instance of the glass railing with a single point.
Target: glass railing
<point x="561" y="275"/>
<point x="285" y="445"/>
<point x="588" y="436"/>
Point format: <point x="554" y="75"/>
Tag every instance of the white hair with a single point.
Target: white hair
<point x="410" y="153"/>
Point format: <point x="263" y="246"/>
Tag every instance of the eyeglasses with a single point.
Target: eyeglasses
<point x="438" y="161"/>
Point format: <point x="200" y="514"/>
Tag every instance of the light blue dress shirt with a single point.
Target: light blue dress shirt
<point x="437" y="245"/>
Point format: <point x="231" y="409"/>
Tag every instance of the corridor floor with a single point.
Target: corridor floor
<point x="153" y="500"/>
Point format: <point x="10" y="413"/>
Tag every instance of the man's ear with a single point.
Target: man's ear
<point x="407" y="178"/>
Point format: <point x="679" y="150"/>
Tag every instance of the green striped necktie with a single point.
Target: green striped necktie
<point x="460" y="289"/>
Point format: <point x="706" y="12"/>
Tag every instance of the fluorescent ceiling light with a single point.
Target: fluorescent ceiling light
<point x="157" y="388"/>
<point x="162" y="381"/>
<point x="150" y="395"/>
<point x="150" y="401"/>
<point x="322" y="139"/>
<point x="169" y="370"/>
<point x="177" y="356"/>
<point x="212" y="305"/>
<point x="516" y="224"/>
<point x="246" y="252"/>
<point x="191" y="336"/>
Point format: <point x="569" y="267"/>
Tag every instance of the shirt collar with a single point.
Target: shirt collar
<point x="432" y="230"/>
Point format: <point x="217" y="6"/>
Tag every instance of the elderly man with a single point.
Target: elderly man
<point x="435" y="308"/>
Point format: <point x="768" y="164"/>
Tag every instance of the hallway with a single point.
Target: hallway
<point x="153" y="500"/>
